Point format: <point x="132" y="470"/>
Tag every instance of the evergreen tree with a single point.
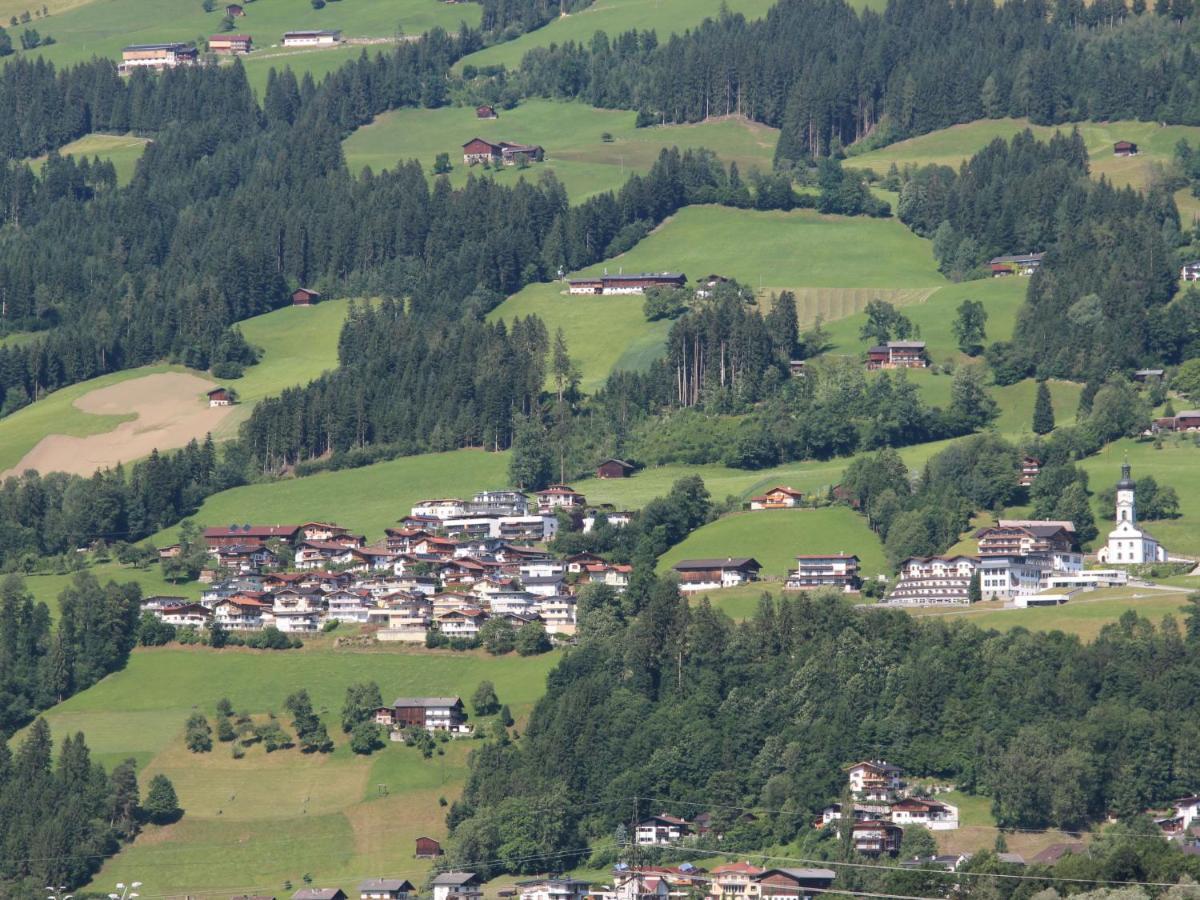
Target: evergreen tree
<point x="161" y="805"/>
<point x="1043" y="410"/>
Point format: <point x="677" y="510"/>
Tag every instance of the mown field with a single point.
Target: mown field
<point x="297" y="344"/>
<point x="853" y="258"/>
<point x="254" y="823"/>
<point x="122" y="150"/>
<point x="776" y="537"/>
<point x="366" y="500"/>
<point x="571" y="134"/>
<point x="46" y="588"/>
<point x="98" y="28"/>
<point x="953" y="145"/>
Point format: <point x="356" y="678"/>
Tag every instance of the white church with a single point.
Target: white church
<point x="1127" y="544"/>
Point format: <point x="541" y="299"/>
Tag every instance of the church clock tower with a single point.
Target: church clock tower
<point x="1126" y="506"/>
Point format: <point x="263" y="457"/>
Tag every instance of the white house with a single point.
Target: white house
<point x="558" y="614"/>
<point x="1190" y="272"/>
<point x="347" y="606"/>
<point x="662" y="829"/>
<point x="457" y="886"/>
<point x="1127" y="544"/>
<point x="931" y="814"/>
<point x="193" y="615"/>
<point x="449" y="508"/>
<point x="873" y="773"/>
<point x="312" y="38"/>
<point x="553" y="889"/>
<point x="239" y="613"/>
<point x="711" y="574"/>
<point x="461" y="623"/>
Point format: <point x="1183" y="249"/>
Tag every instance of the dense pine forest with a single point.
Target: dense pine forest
<point x="761" y="716"/>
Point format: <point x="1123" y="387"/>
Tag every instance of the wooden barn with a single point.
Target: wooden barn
<point x="305" y="297"/>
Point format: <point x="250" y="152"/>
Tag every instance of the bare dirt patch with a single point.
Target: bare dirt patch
<point x="171" y="410"/>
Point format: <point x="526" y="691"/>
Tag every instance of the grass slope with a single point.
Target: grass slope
<point x="46" y="588"/>
<point x="102" y="28"/>
<point x="953" y="145"/>
<point x="772" y="251"/>
<point x="256" y="822"/>
<point x="614" y="17"/>
<point x="366" y="500"/>
<point x="571" y="134"/>
<point x="776" y="537"/>
<point x="297" y="344"/>
<point x="122" y="150"/>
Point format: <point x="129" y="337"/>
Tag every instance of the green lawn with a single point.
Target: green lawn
<point x="297" y="344"/>
<point x="953" y="145"/>
<point x="366" y="500"/>
<point x="615" y="17"/>
<point x="103" y="27"/>
<point x="256" y="822"/>
<point x="46" y="588"/>
<point x="860" y="258"/>
<point x="1085" y="615"/>
<point x="569" y="132"/>
<point x="122" y="150"/>
<point x="776" y="537"/>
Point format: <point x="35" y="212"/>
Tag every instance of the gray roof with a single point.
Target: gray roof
<point x="385" y="884"/>
<point x="543" y="579"/>
<point x="729" y="562"/>
<point x="317" y="894"/>
<point x="804" y="874"/>
<point x="427" y="701"/>
<point x="455" y="879"/>
<point x="173" y="45"/>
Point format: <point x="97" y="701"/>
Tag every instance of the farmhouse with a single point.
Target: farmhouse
<point x="626" y="284"/>
<point x="433" y="713"/>
<point x="156" y="56"/>
<point x="477" y="150"/>
<point x="312" y="38"/>
<point x="304" y="297"/>
<point x="614" y="468"/>
<point x="661" y="829"/>
<point x="230" y="43"/>
<point x="1018" y="264"/>
<point x="711" y="574"/>
<point x="219" y="396"/>
<point x="385" y="889"/>
<point x="898" y="355"/>
<point x="1149" y="375"/>
<point x="1190" y="272"/>
<point x="1188" y="420"/>
<point x="793" y="884"/>
<point x="486" y="112"/>
<point x="457" y="886"/>
<point x="926" y="581"/>
<point x="839" y="570"/>
<point x="1127" y="544"/>
<point x="777" y="498"/>
<point x="1125" y="148"/>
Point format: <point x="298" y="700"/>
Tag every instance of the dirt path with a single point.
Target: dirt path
<point x="170" y="409"/>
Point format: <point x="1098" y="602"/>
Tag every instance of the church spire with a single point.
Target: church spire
<point x="1126" y="482"/>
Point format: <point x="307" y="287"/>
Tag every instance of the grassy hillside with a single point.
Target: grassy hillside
<point x="776" y="537"/>
<point x="122" y="150"/>
<point x="297" y="344"/>
<point x="256" y="822"/>
<point x="616" y="16"/>
<point x="102" y="28"/>
<point x="854" y="258"/>
<point x="952" y="145"/>
<point x="366" y="500"/>
<point x="46" y="588"/>
<point x="570" y="133"/>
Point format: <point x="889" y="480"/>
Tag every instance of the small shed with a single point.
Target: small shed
<point x="614" y="468"/>
<point x="428" y="848"/>
<point x="235" y="10"/>
<point x="305" y="297"/>
<point x="486" y="112"/>
<point x="1125" y="148"/>
<point x="220" y="396"/>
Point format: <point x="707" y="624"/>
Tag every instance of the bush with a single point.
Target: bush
<point x="228" y="370"/>
<point x="484" y="701"/>
<point x="366" y="737"/>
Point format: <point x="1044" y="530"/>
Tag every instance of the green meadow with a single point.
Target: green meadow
<point x="775" y="537"/>
<point x="104" y="27"/>
<point x="614" y="17"/>
<point x="951" y="146"/>
<point x="571" y="133"/>
<point x="254" y="823"/>
<point x="366" y="500"/>
<point x="855" y="259"/>
<point x="46" y="588"/>
<point x="122" y="150"/>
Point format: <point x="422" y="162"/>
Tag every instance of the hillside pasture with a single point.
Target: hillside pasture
<point x="776" y="537"/>
<point x="365" y="500"/>
<point x="266" y="818"/>
<point x="772" y="251"/>
<point x="122" y="150"/>
<point x="96" y="28"/>
<point x="571" y="134"/>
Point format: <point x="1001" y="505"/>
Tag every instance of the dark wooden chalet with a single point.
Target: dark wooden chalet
<point x="305" y="297"/>
<point x="614" y="468"/>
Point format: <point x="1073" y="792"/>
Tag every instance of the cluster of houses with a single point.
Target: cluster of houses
<point x="175" y="54"/>
<point x="502" y="153"/>
<point x="1030" y="562"/>
<point x="828" y="570"/>
<point x="735" y="881"/>
<point x="449" y="566"/>
<point x="882" y="807"/>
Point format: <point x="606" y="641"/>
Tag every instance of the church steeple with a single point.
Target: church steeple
<point x="1126" y="482"/>
<point x="1126" y="506"/>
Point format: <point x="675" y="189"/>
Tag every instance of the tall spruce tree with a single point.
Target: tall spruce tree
<point x="1043" y="410"/>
